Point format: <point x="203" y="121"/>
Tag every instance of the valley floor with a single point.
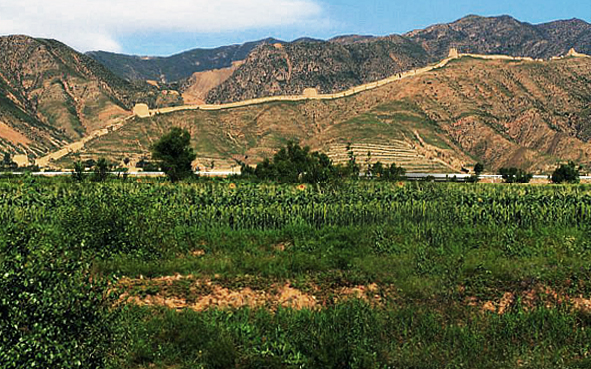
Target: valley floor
<point x="231" y="274"/>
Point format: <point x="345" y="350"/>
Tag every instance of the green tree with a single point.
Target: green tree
<point x="101" y="170"/>
<point x="568" y="173"/>
<point x="294" y="164"/>
<point x="478" y="169"/>
<point x="7" y="161"/>
<point x="352" y="168"/>
<point x="78" y="174"/>
<point x="395" y="173"/>
<point x="515" y="175"/>
<point x="377" y="170"/>
<point x="174" y="153"/>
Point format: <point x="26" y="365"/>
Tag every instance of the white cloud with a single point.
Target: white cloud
<point x="97" y="24"/>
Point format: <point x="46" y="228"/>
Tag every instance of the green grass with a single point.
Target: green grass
<point x="429" y="248"/>
<point x="355" y="335"/>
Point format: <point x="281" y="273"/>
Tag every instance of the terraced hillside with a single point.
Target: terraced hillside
<point x="400" y="153"/>
<point x="502" y="112"/>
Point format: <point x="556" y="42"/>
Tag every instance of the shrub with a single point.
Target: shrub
<point x="101" y="170"/>
<point x="515" y="175"/>
<point x="294" y="164"/>
<point x="53" y="312"/>
<point x="78" y="174"/>
<point x="568" y="173"/>
<point x="478" y="169"/>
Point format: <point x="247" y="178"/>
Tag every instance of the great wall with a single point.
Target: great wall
<point x="143" y="111"/>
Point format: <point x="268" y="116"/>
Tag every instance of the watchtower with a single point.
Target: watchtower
<point x="453" y="53"/>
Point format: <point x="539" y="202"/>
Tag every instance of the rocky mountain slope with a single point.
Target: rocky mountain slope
<point x="51" y="95"/>
<point x="328" y="67"/>
<point x="503" y="113"/>
<point x="176" y="67"/>
<point x="274" y="68"/>
<point x="346" y="61"/>
<point x="505" y="35"/>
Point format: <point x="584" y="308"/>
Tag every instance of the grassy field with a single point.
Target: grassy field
<point x="223" y="274"/>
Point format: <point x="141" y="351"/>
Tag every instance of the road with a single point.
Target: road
<point x="438" y="177"/>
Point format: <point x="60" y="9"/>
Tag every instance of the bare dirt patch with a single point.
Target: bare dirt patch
<point x="13" y="136"/>
<point x="200" y="83"/>
<point x="187" y="292"/>
<point x="530" y="299"/>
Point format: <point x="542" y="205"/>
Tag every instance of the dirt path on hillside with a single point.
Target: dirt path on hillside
<point x="79" y="145"/>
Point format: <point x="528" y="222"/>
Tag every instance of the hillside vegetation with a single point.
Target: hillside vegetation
<point x="504" y="113"/>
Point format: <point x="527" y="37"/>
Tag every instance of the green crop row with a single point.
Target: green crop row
<point x="428" y="247"/>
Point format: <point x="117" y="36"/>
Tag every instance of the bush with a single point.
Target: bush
<point x="175" y="154"/>
<point x="78" y="174"/>
<point x="294" y="164"/>
<point x="568" y="173"/>
<point x="515" y="175"/>
<point x="53" y="312"/>
<point x="101" y="170"/>
<point x="478" y="169"/>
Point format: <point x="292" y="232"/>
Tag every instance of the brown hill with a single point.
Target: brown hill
<point x="505" y="35"/>
<point x="289" y="69"/>
<point x="527" y="114"/>
<point x="51" y="95"/>
<point x="197" y="87"/>
<point x="347" y="61"/>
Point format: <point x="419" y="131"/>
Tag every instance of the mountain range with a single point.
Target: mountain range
<point x="525" y="113"/>
<point x="271" y="67"/>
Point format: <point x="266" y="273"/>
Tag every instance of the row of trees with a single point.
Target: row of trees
<point x="294" y="164"/>
<point x="565" y="173"/>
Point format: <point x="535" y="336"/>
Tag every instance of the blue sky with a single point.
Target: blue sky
<point x="157" y="27"/>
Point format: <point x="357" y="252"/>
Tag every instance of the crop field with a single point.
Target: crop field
<point x="232" y="274"/>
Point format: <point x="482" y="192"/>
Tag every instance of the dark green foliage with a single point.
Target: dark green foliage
<point x="54" y="313"/>
<point x="478" y="169"/>
<point x="568" y="173"/>
<point x="147" y="166"/>
<point x="515" y="175"/>
<point x="89" y="163"/>
<point x="377" y="170"/>
<point x="7" y="162"/>
<point x="175" y="154"/>
<point x="391" y="172"/>
<point x="101" y="170"/>
<point x="352" y="169"/>
<point x="294" y="164"/>
<point x="395" y="173"/>
<point x="78" y="174"/>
